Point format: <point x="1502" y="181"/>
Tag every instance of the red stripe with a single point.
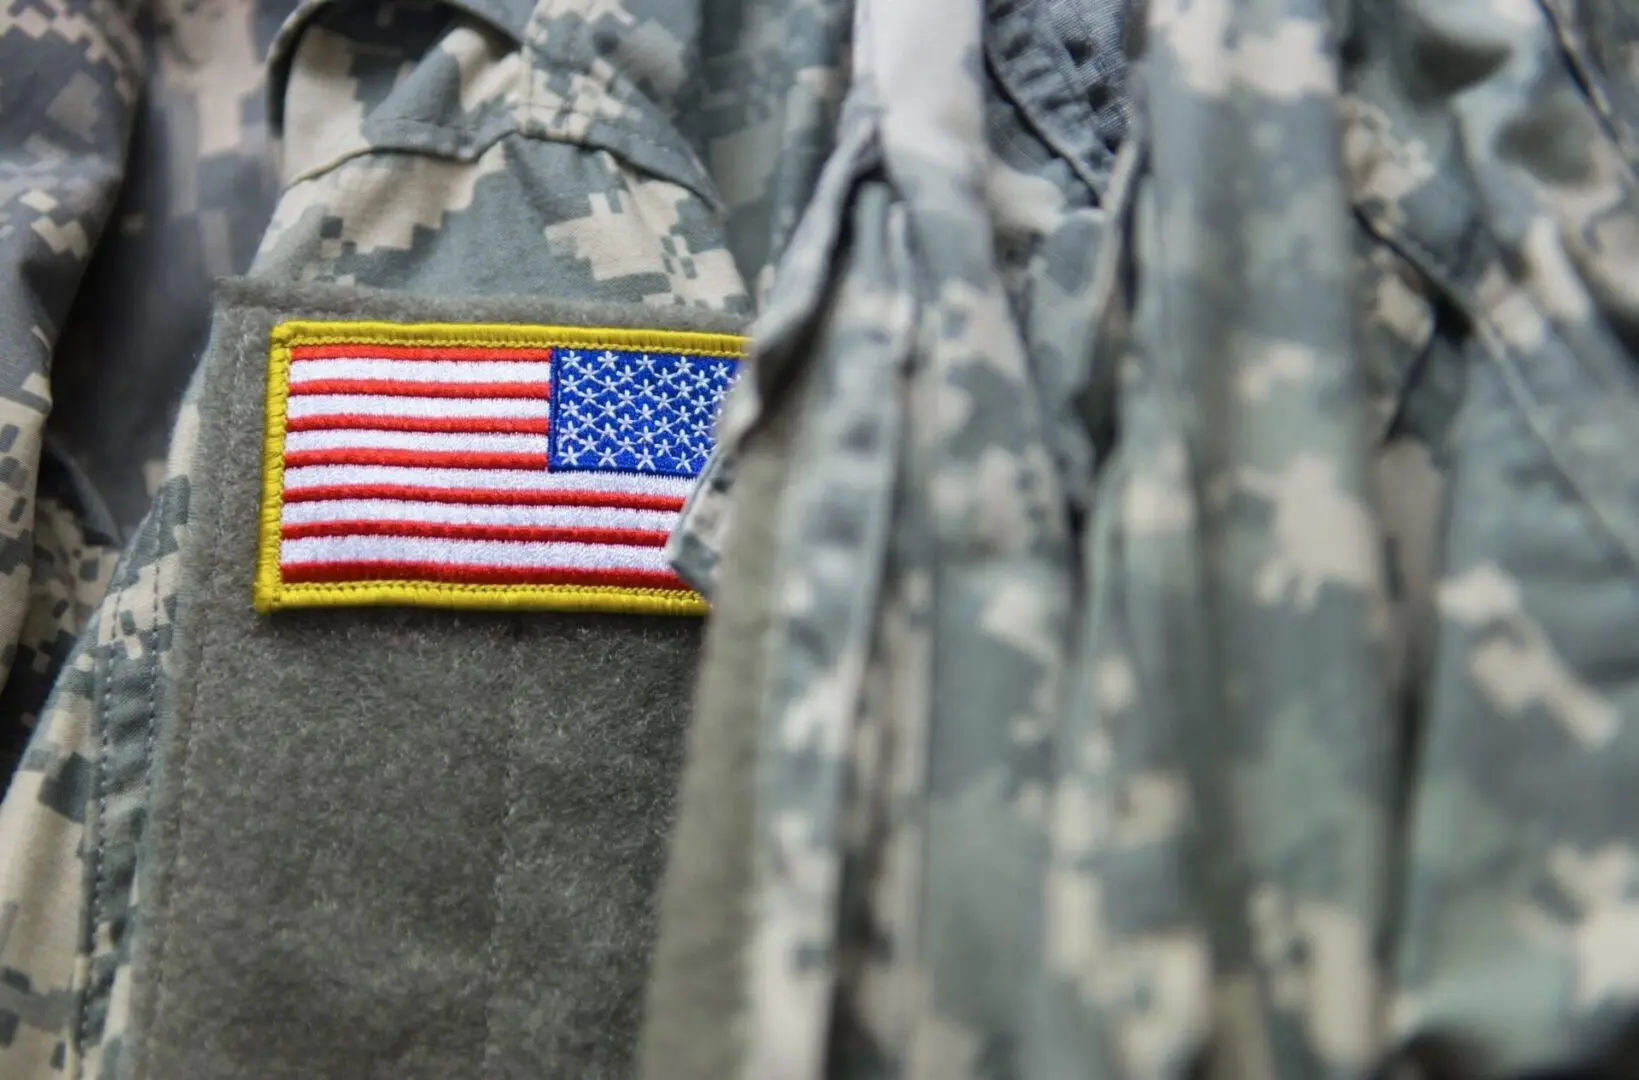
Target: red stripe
<point x="522" y="533"/>
<point x="481" y="497"/>
<point x="476" y="575"/>
<point x="415" y="352"/>
<point x="446" y="459"/>
<point x="459" y="425"/>
<point x="411" y="388"/>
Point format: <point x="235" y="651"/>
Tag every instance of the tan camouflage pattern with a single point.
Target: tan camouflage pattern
<point x="1206" y="616"/>
<point x="1205" y="650"/>
<point x="133" y="170"/>
<point x="136" y="171"/>
<point x="68" y="88"/>
<point x="467" y="149"/>
<point x="197" y="189"/>
<point x="78" y="804"/>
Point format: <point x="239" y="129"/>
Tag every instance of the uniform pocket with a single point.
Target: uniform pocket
<point x="444" y="149"/>
<point x="347" y="79"/>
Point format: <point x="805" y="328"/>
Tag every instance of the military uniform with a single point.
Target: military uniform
<point x="1171" y="546"/>
<point x="134" y="157"/>
<point x="1192" y="626"/>
<point x="477" y="900"/>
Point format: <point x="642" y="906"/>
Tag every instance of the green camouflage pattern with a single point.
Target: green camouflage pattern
<point x="198" y="186"/>
<point x="71" y="76"/>
<point x="653" y="152"/>
<point x="133" y="170"/>
<point x="136" y="171"/>
<point x="1518" y="841"/>
<point x="664" y="148"/>
<point x="1204" y="650"/>
<point x="76" y="808"/>
<point x="1205" y="610"/>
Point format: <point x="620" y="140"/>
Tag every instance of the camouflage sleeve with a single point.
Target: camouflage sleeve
<point x="1506" y="312"/>
<point x="123" y="336"/>
<point x="199" y="185"/>
<point x="886" y="816"/>
<point x="71" y="821"/>
<point x="460" y="150"/>
<point x="1286" y="718"/>
<point x="69" y="76"/>
<point x="412" y="154"/>
<point x="68" y="92"/>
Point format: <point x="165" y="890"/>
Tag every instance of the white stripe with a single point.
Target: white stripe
<point x="533" y="408"/>
<point x="308" y="476"/>
<point x="441" y="371"/>
<point x="441" y="442"/>
<point x="590" y="517"/>
<point x="323" y="549"/>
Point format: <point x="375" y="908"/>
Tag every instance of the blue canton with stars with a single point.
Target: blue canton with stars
<point x="618" y="411"/>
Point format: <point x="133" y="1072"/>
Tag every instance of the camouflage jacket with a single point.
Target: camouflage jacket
<point x="498" y="164"/>
<point x="1198" y="624"/>
<point x="1173" y="560"/>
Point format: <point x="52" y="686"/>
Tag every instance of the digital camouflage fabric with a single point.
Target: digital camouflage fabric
<point x="136" y="171"/>
<point x="199" y="183"/>
<point x="1201" y="621"/>
<point x="652" y="155"/>
<point x="72" y="79"/>
<point x="133" y="169"/>
<point x="1202" y="649"/>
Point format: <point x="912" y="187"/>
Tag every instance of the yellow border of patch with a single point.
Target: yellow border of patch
<point x="271" y="592"/>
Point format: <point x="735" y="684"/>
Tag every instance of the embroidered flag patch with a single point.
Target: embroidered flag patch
<point x="481" y="466"/>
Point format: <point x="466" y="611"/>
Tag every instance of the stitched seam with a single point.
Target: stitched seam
<point x="151" y="722"/>
<point x="156" y="672"/>
<point x="150" y="743"/>
<point x="607" y="603"/>
<point x="98" y="864"/>
<point x="612" y="124"/>
<point x="269" y="583"/>
<point x="554" y="590"/>
<point x="477" y="144"/>
<point x="687" y="343"/>
<point x="656" y="344"/>
<point x="150" y="738"/>
<point x="536" y="130"/>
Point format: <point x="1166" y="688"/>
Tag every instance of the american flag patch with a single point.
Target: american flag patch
<point x="483" y="466"/>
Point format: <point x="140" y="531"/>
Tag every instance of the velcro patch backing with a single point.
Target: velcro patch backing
<point x="483" y="465"/>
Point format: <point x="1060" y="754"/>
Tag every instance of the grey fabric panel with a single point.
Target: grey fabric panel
<point x="392" y="842"/>
<point x="697" y="987"/>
